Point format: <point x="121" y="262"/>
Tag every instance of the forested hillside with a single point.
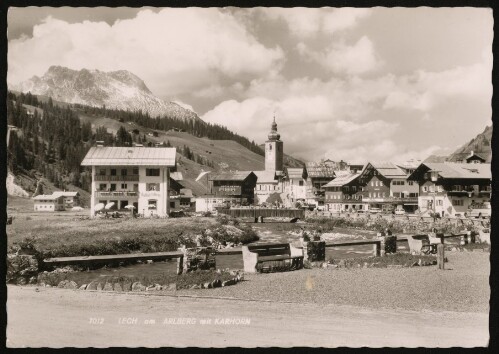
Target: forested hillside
<point x="52" y="138"/>
<point x="197" y="128"/>
<point x="53" y="144"/>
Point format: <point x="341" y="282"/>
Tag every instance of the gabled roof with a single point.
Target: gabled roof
<point x="460" y="170"/>
<point x="342" y="180"/>
<point x="47" y="197"/>
<point x="266" y="177"/>
<point x="387" y="169"/>
<point x="296" y="172"/>
<point x="175" y="185"/>
<point x="481" y="155"/>
<point x="130" y="156"/>
<point x="317" y="169"/>
<point x="230" y="176"/>
<point x="65" y="194"/>
<point x="186" y="192"/>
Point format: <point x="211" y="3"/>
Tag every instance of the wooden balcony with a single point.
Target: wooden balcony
<point x="131" y="178"/>
<point x="116" y="194"/>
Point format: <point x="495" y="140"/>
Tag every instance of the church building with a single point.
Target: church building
<point x="274" y="152"/>
<point x="268" y="185"/>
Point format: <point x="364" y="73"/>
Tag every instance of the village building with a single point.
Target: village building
<point x="71" y="199"/>
<point x="344" y="193"/>
<point x="452" y="189"/>
<point x="295" y="185"/>
<point x="268" y="188"/>
<point x="137" y="176"/>
<point x="475" y="157"/>
<point x="386" y="187"/>
<point x="470" y="157"/>
<point x="48" y="202"/>
<point x="356" y="166"/>
<point x="228" y="189"/>
<point x="318" y="175"/>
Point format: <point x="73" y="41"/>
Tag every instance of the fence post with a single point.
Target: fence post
<point x="440" y="256"/>
<point x="180" y="265"/>
<point x="377" y="249"/>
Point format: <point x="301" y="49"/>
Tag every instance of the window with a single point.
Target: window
<point x="440" y="202"/>
<point x="152" y="187"/>
<point x="346" y="188"/>
<point x="135" y="187"/>
<point x="410" y="183"/>
<point x="113" y="172"/>
<point x="354" y="189"/>
<point x="152" y="204"/>
<point x="300" y="183"/>
<point x="372" y="183"/>
<point x="270" y="147"/>
<point x="457" y="202"/>
<point x="102" y="186"/>
<point x="124" y="171"/>
<point x="439" y="189"/>
<point x="172" y="204"/>
<point x="425" y="189"/>
<point x="124" y="186"/>
<point x="113" y="187"/>
<point x="102" y="172"/>
<point x="152" y="172"/>
<point x="135" y="171"/>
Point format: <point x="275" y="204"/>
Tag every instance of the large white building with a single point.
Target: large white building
<point x="137" y="176"/>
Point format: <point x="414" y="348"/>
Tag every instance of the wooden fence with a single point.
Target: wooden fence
<point x="407" y="217"/>
<point x="157" y="256"/>
<point x="263" y="212"/>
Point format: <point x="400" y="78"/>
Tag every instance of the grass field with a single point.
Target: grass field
<point x="60" y="235"/>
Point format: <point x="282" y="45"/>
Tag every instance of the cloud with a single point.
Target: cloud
<point x="356" y="59"/>
<point x="307" y="22"/>
<point x="174" y="51"/>
<point x="424" y="90"/>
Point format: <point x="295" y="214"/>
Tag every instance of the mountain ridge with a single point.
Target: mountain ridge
<point x="119" y="89"/>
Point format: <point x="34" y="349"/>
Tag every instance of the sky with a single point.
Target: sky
<point x="374" y="84"/>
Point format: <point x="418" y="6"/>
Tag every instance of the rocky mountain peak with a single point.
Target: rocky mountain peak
<point x="119" y="89"/>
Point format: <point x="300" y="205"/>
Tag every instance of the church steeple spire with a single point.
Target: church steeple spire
<point x="274" y="135"/>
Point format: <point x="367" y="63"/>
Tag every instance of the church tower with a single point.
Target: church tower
<point x="274" y="150"/>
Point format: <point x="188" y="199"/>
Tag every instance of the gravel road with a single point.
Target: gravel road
<point x="463" y="286"/>
<point x="57" y="318"/>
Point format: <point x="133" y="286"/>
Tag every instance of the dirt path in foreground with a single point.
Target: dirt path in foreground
<point x="58" y="317"/>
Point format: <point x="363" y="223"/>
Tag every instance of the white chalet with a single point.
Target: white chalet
<point x="49" y="202"/>
<point x="137" y="176"/>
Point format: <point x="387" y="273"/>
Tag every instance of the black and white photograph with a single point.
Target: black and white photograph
<point x="248" y="177"/>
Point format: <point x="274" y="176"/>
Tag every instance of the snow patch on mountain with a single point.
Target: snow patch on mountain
<point x="116" y="89"/>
